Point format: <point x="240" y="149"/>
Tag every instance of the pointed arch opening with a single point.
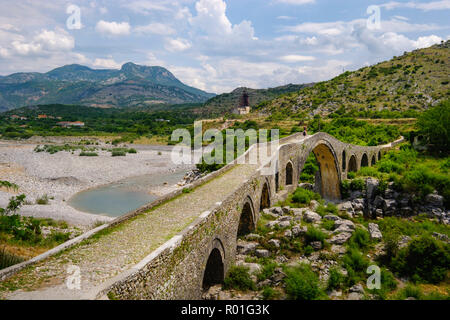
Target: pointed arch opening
<point x="352" y="166"/>
<point x="247" y="220"/>
<point x="374" y="161"/>
<point x="265" y="197"/>
<point x="364" y="161"/>
<point x="289" y="174"/>
<point x="214" y="271"/>
<point x="344" y="161"/>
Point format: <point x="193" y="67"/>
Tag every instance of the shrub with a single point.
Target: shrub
<point x="351" y="175"/>
<point x="267" y="271"/>
<point x="118" y="153"/>
<point x="357" y="185"/>
<point x="335" y="280"/>
<point x="313" y="234"/>
<point x="7" y="259"/>
<point x="132" y="150"/>
<point x="304" y="197"/>
<point x="302" y="283"/>
<point x="239" y="278"/>
<point x="42" y="200"/>
<point x="270" y="293"/>
<point x="433" y="123"/>
<point x="88" y="154"/>
<point x="328" y="224"/>
<point x="360" y="239"/>
<point x="425" y="259"/>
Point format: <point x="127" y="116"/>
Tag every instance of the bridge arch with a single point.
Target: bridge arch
<point x="265" y="196"/>
<point x="379" y="155"/>
<point x="374" y="161"/>
<point x="364" y="161"/>
<point x="344" y="160"/>
<point x="247" y="220"/>
<point x="328" y="177"/>
<point x="352" y="165"/>
<point x="289" y="174"/>
<point x="214" y="270"/>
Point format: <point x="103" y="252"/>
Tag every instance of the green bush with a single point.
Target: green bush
<point x="360" y="239"/>
<point x="239" y="278"/>
<point x="328" y="224"/>
<point x="302" y="283"/>
<point x="336" y="279"/>
<point x="88" y="154"/>
<point x="357" y="184"/>
<point x="303" y="197"/>
<point x="433" y="123"/>
<point x="42" y="200"/>
<point x="118" y="153"/>
<point x="7" y="259"/>
<point x="270" y="294"/>
<point x="267" y="271"/>
<point x="424" y="259"/>
<point x="313" y="234"/>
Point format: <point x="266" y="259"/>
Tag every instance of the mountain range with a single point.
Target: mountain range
<point x="131" y="86"/>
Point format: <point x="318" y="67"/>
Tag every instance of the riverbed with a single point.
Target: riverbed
<point x="64" y="176"/>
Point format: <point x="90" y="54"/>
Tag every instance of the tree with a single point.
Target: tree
<point x="434" y="124"/>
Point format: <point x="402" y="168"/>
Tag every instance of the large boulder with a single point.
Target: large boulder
<point x="371" y="187"/>
<point x="262" y="253"/>
<point x="314" y="204"/>
<point x="434" y="199"/>
<point x="346" y="207"/>
<point x="340" y="238"/>
<point x="331" y="217"/>
<point x="343" y="225"/>
<point x="244" y="247"/>
<point x="275" y="243"/>
<point x="311" y="216"/>
<point x="298" y="230"/>
<point x="254" y="268"/>
<point x="389" y="206"/>
<point x="374" y="231"/>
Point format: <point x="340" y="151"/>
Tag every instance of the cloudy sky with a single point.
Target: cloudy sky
<point x="218" y="45"/>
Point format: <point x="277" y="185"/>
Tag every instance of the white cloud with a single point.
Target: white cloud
<point x="177" y="45"/>
<point x="296" y="2"/>
<point x="428" y="6"/>
<point x="113" y="28"/>
<point x="296" y="58"/>
<point x="156" y="28"/>
<point x="106" y="63"/>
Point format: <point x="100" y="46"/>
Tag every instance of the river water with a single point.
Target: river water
<point x="119" y="198"/>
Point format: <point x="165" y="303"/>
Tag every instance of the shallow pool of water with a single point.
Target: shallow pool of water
<point x="121" y="197"/>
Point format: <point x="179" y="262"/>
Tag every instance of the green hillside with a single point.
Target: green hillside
<point x="407" y="84"/>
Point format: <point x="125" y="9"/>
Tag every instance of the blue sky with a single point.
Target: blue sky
<point x="218" y="45"/>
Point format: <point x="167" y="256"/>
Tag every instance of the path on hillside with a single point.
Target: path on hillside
<point x="102" y="258"/>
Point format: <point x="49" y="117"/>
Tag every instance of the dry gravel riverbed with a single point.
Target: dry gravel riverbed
<point x="62" y="175"/>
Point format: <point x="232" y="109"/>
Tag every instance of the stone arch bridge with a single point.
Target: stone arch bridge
<point x="186" y="241"/>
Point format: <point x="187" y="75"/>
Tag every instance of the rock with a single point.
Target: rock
<point x="212" y="293"/>
<point x="286" y="218"/>
<point x="358" y="205"/>
<point x="298" y="211"/>
<point x="356" y="194"/>
<point x="316" y="245"/>
<point x="265" y="283"/>
<point x="253" y="267"/>
<point x="332" y="217"/>
<point x="389" y="206"/>
<point x="288" y="234"/>
<point x="307" y="186"/>
<point x="371" y="187"/>
<point x="246" y="247"/>
<point x="340" y="238"/>
<point x="357" y="288"/>
<point x="375" y="232"/>
<point x="403" y="242"/>
<point x="277" y="210"/>
<point x="314" y="204"/>
<point x="252" y="237"/>
<point x="378" y="213"/>
<point x="278" y="276"/>
<point x="343" y="225"/>
<point x="355" y="296"/>
<point x="281" y="259"/>
<point x="262" y="253"/>
<point x="271" y="224"/>
<point x="286" y="210"/>
<point x="435" y="199"/>
<point x="310" y="216"/>
<point x="347" y="207"/>
<point x="284" y="224"/>
<point x="267" y="211"/>
<point x="440" y="236"/>
<point x="335" y="294"/>
<point x="378" y="202"/>
<point x="274" y="242"/>
<point x="297" y="231"/>
<point x="338" y="249"/>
